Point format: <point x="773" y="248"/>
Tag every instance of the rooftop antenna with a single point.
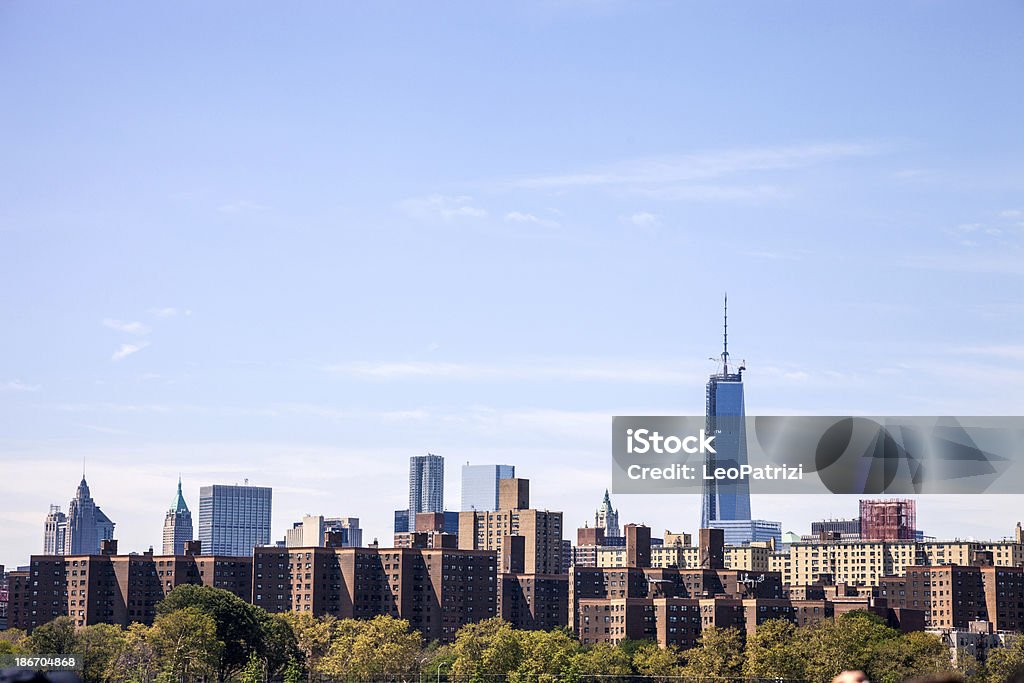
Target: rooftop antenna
<point x="725" y="337"/>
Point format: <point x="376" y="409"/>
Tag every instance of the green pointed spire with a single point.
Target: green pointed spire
<point x="179" y="506"/>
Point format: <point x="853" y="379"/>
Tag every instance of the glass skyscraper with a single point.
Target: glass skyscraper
<point x="426" y="485"/>
<point x="234" y="519"/>
<point x="726" y="504"/>
<point x="480" y="485"/>
<point x="725" y="500"/>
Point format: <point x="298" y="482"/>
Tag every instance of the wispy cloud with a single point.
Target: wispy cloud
<point x="442" y="207"/>
<point x="520" y="217"/>
<point x="104" y="430"/>
<point x="242" y="206"/>
<point x="133" y="327"/>
<point x="168" y="312"/>
<point x="702" y="166"/>
<point x="128" y="349"/>
<point x="601" y="370"/>
<point x="18" y="385"/>
<point x="644" y="219"/>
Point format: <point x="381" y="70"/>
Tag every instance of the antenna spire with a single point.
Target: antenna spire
<point x="725" y="337"/>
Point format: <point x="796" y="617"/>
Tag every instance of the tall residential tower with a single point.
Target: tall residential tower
<point x="426" y="484"/>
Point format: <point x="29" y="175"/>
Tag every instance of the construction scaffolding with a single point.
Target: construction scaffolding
<point x="888" y="520"/>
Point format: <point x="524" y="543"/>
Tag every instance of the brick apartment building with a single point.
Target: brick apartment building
<point x="115" y="589"/>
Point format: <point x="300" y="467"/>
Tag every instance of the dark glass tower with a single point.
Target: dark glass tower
<point x="727" y="500"/>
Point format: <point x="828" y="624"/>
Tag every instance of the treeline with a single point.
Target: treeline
<point x="207" y="634"/>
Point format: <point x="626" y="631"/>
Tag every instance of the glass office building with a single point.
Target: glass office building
<point x="234" y="519"/>
<point x="480" y="485"/>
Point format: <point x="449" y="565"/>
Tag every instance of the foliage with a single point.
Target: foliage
<point x="773" y="652"/>
<point x="136" y="659"/>
<point x="600" y="660"/>
<point x="99" y="645"/>
<point x="239" y="625"/>
<point x="382" y="648"/>
<point x="485" y="650"/>
<point x="1005" y="663"/>
<point x="660" y="664"/>
<point x="54" y="638"/>
<point x="717" y="657"/>
<point x="186" y="643"/>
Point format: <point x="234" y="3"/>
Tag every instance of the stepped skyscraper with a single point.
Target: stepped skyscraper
<point x="84" y="527"/>
<point x="177" y="525"/>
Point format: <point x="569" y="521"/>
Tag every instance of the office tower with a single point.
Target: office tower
<point x="177" y="525"/>
<point x="845" y="528"/>
<point x="234" y="519"/>
<point x="480" y="485"/>
<point x="725" y="500"/>
<point x="56" y="530"/>
<point x="86" y="525"/>
<point x="426" y="484"/>
<point x="607" y="518"/>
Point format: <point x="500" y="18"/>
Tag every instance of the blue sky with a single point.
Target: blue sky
<point x="299" y="243"/>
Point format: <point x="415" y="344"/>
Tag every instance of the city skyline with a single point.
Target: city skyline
<point x="482" y="231"/>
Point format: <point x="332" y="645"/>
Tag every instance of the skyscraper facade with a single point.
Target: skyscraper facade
<point x="480" y="485"/>
<point x="426" y="484"/>
<point x="56" y="530"/>
<point x="177" y="525"/>
<point x="726" y="504"/>
<point x="234" y="519"/>
<point x="86" y="525"/>
<point x="607" y="517"/>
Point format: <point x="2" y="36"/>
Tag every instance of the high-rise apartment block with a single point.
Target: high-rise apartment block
<point x="426" y="484"/>
<point x="542" y="529"/>
<point x="106" y="588"/>
<point x="234" y="519"/>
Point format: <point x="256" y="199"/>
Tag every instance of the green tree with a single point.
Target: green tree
<point x="239" y="625"/>
<point x="54" y="638"/>
<point x="99" y="646"/>
<point x="600" y="660"/>
<point x="379" y="649"/>
<point x="280" y="649"/>
<point x="313" y="638"/>
<point x="13" y="641"/>
<point x="772" y="652"/>
<point x="846" y="643"/>
<point x="661" y="664"/>
<point x="136" y="661"/>
<point x="485" y="650"/>
<point x="1006" y="662"/>
<point x="717" y="657"/>
<point x="186" y="643"/>
<point x="914" y="655"/>
<point x="546" y="656"/>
